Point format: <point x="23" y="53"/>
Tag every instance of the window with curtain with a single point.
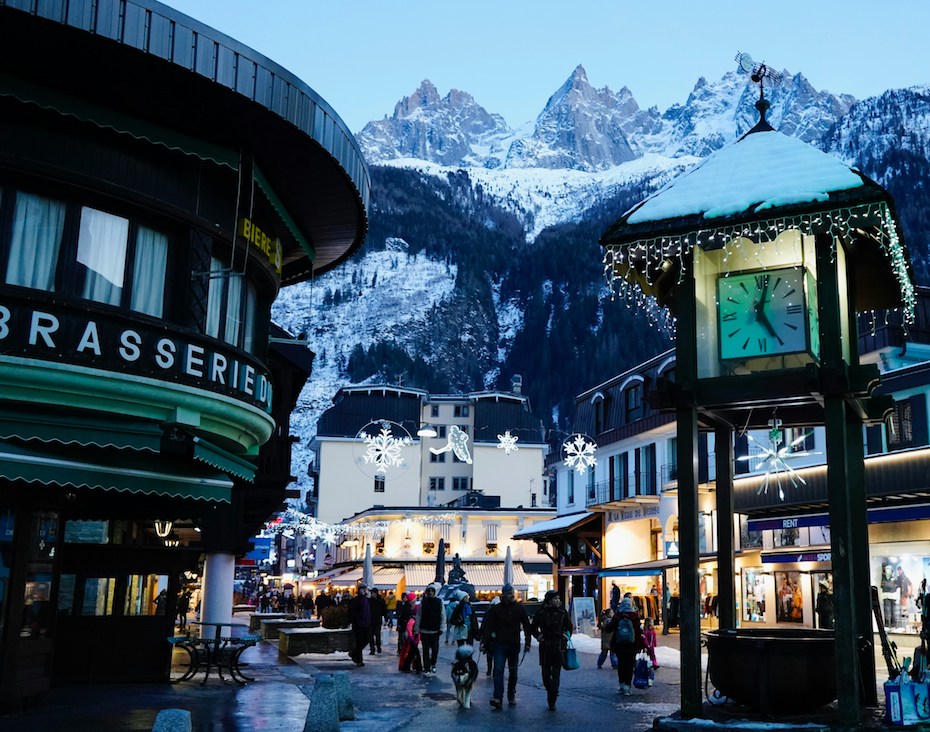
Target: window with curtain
<point x="148" y="272"/>
<point x="35" y="242"/>
<point x="232" y="307"/>
<point x="101" y="250"/>
<point x="109" y="259"/>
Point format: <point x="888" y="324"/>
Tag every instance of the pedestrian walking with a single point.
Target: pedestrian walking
<point x="405" y="611"/>
<point x="390" y="603"/>
<point x="462" y="620"/>
<point x="360" y="618"/>
<point x="502" y="625"/>
<point x="550" y="626"/>
<point x="430" y="625"/>
<point x="378" y="613"/>
<point x="602" y="622"/>
<point x="626" y="641"/>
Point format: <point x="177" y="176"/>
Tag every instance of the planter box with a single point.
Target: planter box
<point x="294" y="641"/>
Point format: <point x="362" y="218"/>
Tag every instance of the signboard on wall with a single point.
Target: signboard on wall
<point x="633" y="514"/>
<point x="584" y="617"/>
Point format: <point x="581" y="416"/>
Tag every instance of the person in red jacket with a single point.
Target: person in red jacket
<point x="626" y="641"/>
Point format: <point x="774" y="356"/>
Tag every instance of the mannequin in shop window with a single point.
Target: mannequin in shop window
<point x="889" y="592"/>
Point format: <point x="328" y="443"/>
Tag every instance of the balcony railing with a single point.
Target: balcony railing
<point x="634" y="485"/>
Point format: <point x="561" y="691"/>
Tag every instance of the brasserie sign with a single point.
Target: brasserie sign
<point x="117" y="343"/>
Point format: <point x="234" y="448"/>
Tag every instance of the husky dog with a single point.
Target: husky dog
<point x="464" y="673"/>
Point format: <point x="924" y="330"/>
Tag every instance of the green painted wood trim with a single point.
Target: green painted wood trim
<point x="49" y="383"/>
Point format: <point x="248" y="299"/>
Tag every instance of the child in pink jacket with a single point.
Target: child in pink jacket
<point x="651" y="640"/>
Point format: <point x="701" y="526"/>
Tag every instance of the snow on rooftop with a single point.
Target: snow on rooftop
<point x="760" y="171"/>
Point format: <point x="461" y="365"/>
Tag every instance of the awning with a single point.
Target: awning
<point x="329" y="576"/>
<point x="418" y="576"/>
<point x="220" y="459"/>
<point x="387" y="578"/>
<point x="650" y="569"/>
<point x="144" y="477"/>
<point x="489" y="576"/>
<point x="557" y="526"/>
<point x="27" y="426"/>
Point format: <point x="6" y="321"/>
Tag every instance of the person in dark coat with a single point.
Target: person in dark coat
<point x="360" y="618"/>
<point x="549" y="627"/>
<point x="404" y="613"/>
<point x="378" y="615"/>
<point x="502" y="625"/>
<point x="824" y="607"/>
<point x="626" y="651"/>
<point x="430" y="625"/>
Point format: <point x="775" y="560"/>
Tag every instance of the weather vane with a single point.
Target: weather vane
<point x="758" y="72"/>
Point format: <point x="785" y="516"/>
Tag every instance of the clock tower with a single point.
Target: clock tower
<point x="764" y="253"/>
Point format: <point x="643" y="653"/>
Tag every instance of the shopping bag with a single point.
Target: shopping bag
<point x="907" y="703"/>
<point x="642" y="670"/>
<point x="569" y="655"/>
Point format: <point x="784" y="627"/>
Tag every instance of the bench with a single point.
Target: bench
<point x="271" y="626"/>
<point x="294" y="641"/>
<point x="243" y="609"/>
<point x="255" y="619"/>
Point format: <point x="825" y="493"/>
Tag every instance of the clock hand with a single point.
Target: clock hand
<point x="760" y="310"/>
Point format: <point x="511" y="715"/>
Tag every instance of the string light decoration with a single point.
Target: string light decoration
<point x="772" y="458"/>
<point x="293" y="522"/>
<point x="578" y="453"/>
<point x="507" y="442"/>
<point x="633" y="270"/>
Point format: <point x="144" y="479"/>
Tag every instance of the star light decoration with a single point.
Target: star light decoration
<point x="772" y="458"/>
<point x="384" y="450"/>
<point x="507" y="442"/>
<point x="578" y="453"/>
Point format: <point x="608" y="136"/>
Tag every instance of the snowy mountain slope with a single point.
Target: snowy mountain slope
<point x="541" y="197"/>
<point x="374" y="301"/>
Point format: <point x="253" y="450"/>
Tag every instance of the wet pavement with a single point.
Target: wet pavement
<point x="384" y="698"/>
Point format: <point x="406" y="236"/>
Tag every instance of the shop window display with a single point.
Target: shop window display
<point x="789" y="607"/>
<point x="754" y="581"/>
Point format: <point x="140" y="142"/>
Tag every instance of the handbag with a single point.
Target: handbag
<point x="569" y="655"/>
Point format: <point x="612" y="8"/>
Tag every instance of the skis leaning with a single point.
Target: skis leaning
<point x="889" y="648"/>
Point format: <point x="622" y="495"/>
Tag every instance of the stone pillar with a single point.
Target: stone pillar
<point x="219" y="569"/>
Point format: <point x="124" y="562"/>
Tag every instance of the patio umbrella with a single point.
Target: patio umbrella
<point x="508" y="568"/>
<point x="368" y="571"/>
<point x="441" y="563"/>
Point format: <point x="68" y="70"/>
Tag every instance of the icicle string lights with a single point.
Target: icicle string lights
<point x="631" y="269"/>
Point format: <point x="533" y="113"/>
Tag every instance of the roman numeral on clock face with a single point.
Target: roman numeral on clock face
<point x="795" y="309"/>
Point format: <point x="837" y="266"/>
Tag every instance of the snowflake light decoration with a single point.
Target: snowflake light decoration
<point x="507" y="442"/>
<point x="579" y="454"/>
<point x="384" y="450"/>
<point x="772" y="458"/>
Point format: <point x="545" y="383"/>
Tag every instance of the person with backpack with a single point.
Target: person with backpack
<point x="462" y="619"/>
<point x="626" y="641"/>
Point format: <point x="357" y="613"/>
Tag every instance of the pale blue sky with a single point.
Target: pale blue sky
<point x="363" y="56"/>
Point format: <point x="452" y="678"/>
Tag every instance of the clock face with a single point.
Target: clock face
<point x="762" y="314"/>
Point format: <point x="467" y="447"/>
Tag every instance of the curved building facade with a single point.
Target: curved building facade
<point x="159" y="184"/>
